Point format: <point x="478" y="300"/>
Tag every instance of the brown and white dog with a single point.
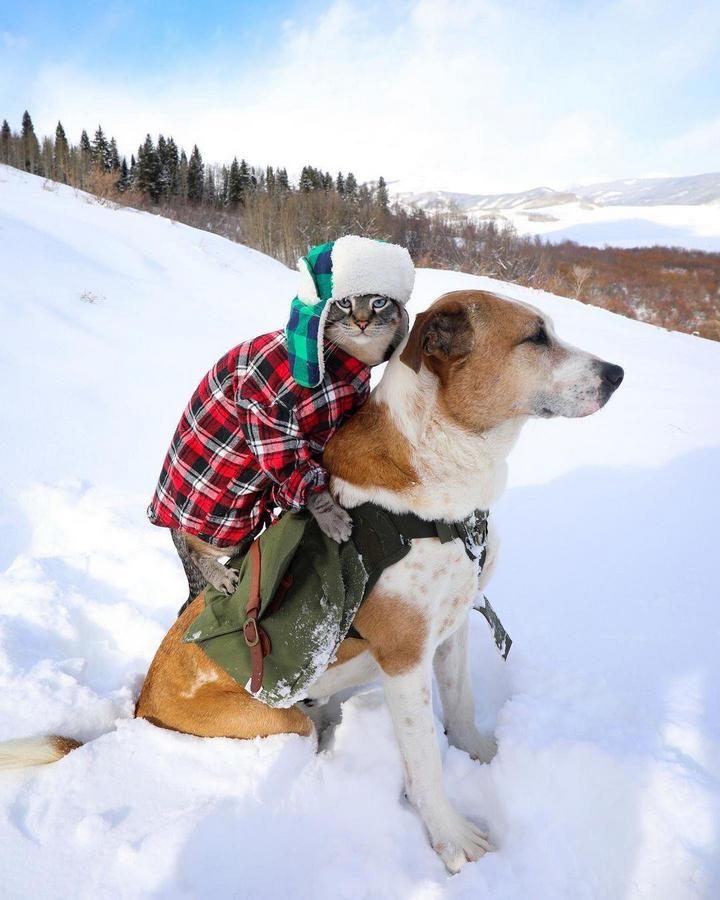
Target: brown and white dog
<point x="433" y="439"/>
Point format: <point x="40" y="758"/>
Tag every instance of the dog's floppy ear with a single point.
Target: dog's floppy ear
<point x="445" y="336"/>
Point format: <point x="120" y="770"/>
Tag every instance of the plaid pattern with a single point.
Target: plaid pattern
<point x="251" y="439"/>
<point x="304" y="322"/>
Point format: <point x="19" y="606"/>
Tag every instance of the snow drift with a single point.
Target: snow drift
<point x="606" y="783"/>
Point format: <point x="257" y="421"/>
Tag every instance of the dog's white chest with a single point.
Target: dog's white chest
<point x="437" y="579"/>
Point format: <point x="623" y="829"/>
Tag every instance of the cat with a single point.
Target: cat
<point x="368" y="327"/>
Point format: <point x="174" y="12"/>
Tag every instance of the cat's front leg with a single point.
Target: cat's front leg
<point x="334" y="521"/>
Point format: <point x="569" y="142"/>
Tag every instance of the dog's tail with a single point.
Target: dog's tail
<point x="37" y="751"/>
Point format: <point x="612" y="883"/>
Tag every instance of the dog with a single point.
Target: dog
<point x="433" y="439"/>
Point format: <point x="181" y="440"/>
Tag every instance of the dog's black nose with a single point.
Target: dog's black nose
<point x="611" y="374"/>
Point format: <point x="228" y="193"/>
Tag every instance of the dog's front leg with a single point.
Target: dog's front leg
<point x="409" y="698"/>
<point x="452" y="670"/>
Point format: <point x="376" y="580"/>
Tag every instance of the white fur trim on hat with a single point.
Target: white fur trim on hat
<point x="306" y="284"/>
<point x="364" y="266"/>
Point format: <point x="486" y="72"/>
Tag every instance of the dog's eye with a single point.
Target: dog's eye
<point x="344" y="303"/>
<point x="540" y="337"/>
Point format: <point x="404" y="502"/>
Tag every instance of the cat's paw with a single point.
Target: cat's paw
<point x="333" y="520"/>
<point x="219" y="576"/>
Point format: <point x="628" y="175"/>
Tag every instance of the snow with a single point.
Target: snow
<point x="637" y="212"/>
<point x="607" y="712"/>
<point x="691" y="227"/>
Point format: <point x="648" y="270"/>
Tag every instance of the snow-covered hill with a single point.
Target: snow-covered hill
<point x="634" y="212"/>
<point x="606" y="783"/>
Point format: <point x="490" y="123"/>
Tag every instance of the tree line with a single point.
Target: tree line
<point x="161" y="172"/>
<point x="263" y="208"/>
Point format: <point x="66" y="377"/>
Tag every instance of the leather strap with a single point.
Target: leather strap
<point x="256" y="637"/>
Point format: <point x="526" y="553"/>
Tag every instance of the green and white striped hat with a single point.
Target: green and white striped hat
<point x="350" y="266"/>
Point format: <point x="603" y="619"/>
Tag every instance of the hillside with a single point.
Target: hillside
<point x="632" y="212"/>
<point x="607" y="711"/>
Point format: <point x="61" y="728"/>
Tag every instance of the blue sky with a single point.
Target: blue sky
<point x="466" y="95"/>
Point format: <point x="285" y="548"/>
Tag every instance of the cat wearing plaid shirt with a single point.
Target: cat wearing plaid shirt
<point x="251" y="438"/>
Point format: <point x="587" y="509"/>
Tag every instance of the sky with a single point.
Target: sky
<point x="460" y="95"/>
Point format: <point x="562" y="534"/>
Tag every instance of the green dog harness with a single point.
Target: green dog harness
<point x="298" y="592"/>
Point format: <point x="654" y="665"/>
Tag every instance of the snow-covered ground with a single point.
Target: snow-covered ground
<point x="633" y="212"/>
<point x="607" y="780"/>
<point x="692" y="227"/>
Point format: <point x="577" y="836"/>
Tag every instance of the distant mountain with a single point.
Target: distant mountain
<point x="632" y="212"/>
<point x="689" y="190"/>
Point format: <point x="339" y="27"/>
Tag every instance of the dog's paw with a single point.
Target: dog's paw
<point x="480" y="745"/>
<point x="457" y="841"/>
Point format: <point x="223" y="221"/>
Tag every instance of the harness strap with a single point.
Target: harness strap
<point x="256" y="637"/>
<point x="471" y="531"/>
<point x="411" y="526"/>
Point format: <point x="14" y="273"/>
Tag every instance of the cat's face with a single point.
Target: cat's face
<point x="367" y="326"/>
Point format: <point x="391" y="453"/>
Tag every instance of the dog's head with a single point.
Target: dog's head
<point x="497" y="359"/>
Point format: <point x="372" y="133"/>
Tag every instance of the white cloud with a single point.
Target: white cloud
<point x="456" y="94"/>
<point x="13" y="41"/>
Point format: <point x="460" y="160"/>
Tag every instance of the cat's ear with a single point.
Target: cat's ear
<point x="444" y="336"/>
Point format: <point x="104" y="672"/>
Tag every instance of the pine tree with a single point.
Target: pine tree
<point x="351" y="187"/>
<point x="100" y="152"/>
<point x="195" y="176"/>
<point x="364" y="194"/>
<point x="306" y="180"/>
<point x="113" y="156"/>
<point x="282" y="180"/>
<point x="173" y="160"/>
<point x="148" y="170"/>
<point x="85" y="154"/>
<point x="327" y="182"/>
<point x="181" y="191"/>
<point x="123" y="182"/>
<point x="30" y="148"/>
<point x="382" y="198"/>
<point x="209" y="195"/>
<point x="235" y="187"/>
<point x="164" y="173"/>
<point x="246" y="180"/>
<point x="340" y="183"/>
<point x="270" y="183"/>
<point x="5" y="136"/>
<point x="61" y="155"/>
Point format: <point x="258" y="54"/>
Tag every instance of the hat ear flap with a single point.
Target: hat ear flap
<point x="307" y="289"/>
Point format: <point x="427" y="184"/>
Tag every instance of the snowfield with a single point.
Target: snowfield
<point x="607" y="780"/>
<point x="689" y="227"/>
<point x="633" y="212"/>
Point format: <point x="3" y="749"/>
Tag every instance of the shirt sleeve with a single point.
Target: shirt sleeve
<point x="274" y="438"/>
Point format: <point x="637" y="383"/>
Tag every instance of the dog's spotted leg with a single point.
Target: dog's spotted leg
<point x="452" y="670"/>
<point x="455" y="839"/>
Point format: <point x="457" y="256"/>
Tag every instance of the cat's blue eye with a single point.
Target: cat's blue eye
<point x="344" y="303"/>
<point x="380" y="302"/>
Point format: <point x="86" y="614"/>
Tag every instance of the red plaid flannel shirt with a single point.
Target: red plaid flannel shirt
<point x="251" y="440"/>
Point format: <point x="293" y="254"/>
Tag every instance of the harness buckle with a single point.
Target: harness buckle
<point x="251" y="633"/>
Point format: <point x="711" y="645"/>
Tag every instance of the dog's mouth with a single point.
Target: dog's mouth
<point x="584" y="397"/>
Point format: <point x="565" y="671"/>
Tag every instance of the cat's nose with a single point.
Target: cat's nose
<point x="361" y="325"/>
